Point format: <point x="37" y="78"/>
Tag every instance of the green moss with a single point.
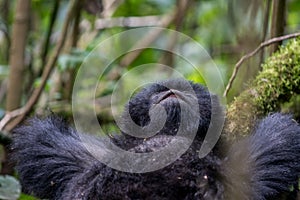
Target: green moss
<point x="240" y="115"/>
<point x="292" y="106"/>
<point x="278" y="81"/>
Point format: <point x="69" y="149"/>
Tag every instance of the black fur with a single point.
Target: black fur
<point x="140" y="105"/>
<point x="53" y="163"/>
<point x="267" y="164"/>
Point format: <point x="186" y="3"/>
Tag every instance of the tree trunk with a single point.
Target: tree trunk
<point x="278" y="22"/>
<point x="17" y="65"/>
<point x="17" y="54"/>
<point x="265" y="30"/>
<point x="71" y="73"/>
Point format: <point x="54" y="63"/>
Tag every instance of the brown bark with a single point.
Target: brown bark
<point x="265" y="29"/>
<point x="17" y="65"/>
<point x="71" y="73"/>
<point x="9" y="121"/>
<point x="278" y="22"/>
<point x="17" y="54"/>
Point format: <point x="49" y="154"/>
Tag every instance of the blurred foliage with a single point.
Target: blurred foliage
<point x="220" y="26"/>
<point x="72" y="60"/>
<point x="143" y="8"/>
<point x="10" y="188"/>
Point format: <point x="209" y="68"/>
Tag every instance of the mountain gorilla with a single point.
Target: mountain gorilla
<point x="53" y="162"/>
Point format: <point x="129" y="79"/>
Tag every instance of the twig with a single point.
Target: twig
<point x="131" y="22"/>
<point x="11" y="115"/>
<point x="49" y="31"/>
<point x="262" y="45"/>
<point x="19" y="114"/>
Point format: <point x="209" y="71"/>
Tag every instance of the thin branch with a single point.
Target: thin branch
<point x="21" y="113"/>
<point x="245" y="57"/>
<point x="130" y="22"/>
<point x="49" y="31"/>
<point x="11" y="115"/>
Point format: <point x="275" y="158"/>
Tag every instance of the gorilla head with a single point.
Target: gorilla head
<point x="187" y="107"/>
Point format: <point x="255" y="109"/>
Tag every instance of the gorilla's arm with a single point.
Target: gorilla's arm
<point x="53" y="163"/>
<point x="266" y="164"/>
<point x="49" y="154"/>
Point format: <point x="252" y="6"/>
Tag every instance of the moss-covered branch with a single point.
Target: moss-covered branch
<point x="278" y="81"/>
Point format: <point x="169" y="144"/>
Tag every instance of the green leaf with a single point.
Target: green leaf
<point x="26" y="197"/>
